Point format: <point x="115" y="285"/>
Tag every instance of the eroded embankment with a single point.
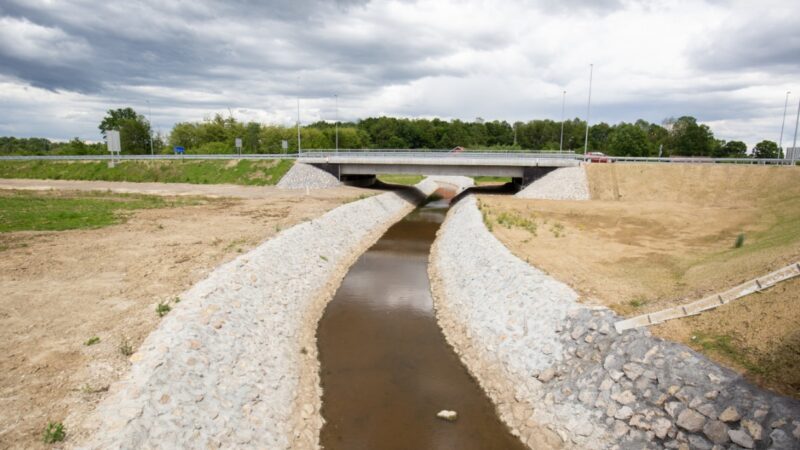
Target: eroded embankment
<point x="561" y="376"/>
<point x="235" y="363"/>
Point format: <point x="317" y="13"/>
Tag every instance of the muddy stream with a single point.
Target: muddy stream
<point x="386" y="368"/>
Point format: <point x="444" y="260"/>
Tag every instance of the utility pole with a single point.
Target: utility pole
<point x="150" y="125"/>
<point x="337" y="123"/>
<point x="794" y="144"/>
<point x="588" y="110"/>
<point x="785" y="106"/>
<point x="563" y="102"/>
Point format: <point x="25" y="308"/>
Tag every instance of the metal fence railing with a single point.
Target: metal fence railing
<point x="405" y="153"/>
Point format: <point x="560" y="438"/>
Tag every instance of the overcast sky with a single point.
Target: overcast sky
<point x="728" y="63"/>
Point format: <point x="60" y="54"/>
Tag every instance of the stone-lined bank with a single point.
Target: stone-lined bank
<point x="235" y="363"/>
<point x="561" y="376"/>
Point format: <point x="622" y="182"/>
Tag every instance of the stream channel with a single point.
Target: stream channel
<point x="386" y="368"/>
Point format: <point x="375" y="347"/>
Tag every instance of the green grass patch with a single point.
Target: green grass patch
<point x="408" y="180"/>
<point x="479" y="180"/>
<point x="725" y="345"/>
<point x="92" y="340"/>
<point x="36" y="211"/>
<point x="54" y="432"/>
<point x="244" y="172"/>
<point x="162" y="309"/>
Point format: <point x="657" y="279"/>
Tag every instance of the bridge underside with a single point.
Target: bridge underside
<point x="365" y="173"/>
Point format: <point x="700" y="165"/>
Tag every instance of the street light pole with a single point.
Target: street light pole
<point x="337" y="123"/>
<point x="150" y="127"/>
<point x="563" y="102"/>
<point x="785" y="106"/>
<point x="588" y="110"/>
<point x="298" y="124"/>
<point x="794" y="143"/>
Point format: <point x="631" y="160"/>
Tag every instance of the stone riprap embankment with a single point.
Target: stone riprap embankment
<point x="561" y="376"/>
<point x="302" y="176"/>
<point x="234" y="365"/>
<point x="566" y="183"/>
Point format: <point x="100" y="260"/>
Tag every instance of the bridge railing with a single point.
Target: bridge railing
<point x="145" y="157"/>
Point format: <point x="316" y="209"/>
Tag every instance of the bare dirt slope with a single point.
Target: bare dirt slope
<point x="657" y="235"/>
<point x="59" y="289"/>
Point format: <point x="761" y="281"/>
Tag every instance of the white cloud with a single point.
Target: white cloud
<point x="453" y="59"/>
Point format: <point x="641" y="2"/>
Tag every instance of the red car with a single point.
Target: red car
<point x="597" y="157"/>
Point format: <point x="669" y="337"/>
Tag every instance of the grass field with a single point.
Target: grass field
<point x="244" y="172"/>
<point x="47" y="211"/>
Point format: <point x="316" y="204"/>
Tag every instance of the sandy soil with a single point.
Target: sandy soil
<point x="656" y="236"/>
<point x="58" y="289"/>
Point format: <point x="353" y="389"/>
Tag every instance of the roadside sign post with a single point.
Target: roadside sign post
<point x="114" y="146"/>
<point x="239" y="146"/>
<point x="285" y="145"/>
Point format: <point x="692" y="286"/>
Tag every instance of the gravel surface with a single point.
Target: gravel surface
<point x="566" y="183"/>
<point x="235" y="363"/>
<point x="559" y="373"/>
<point x="302" y="176"/>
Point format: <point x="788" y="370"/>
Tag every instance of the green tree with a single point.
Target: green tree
<point x="134" y="129"/>
<point x="688" y="138"/>
<point x="766" y="149"/>
<point x="732" y="149"/>
<point x="628" y="140"/>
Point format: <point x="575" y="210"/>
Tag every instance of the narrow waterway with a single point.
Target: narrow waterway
<point x="386" y="368"/>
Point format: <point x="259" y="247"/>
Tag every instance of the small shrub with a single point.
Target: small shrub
<point x="54" y="433"/>
<point x="176" y="300"/>
<point x="125" y="347"/>
<point x="323" y="258"/>
<point x="162" y="309"/>
<point x="92" y="340"/>
<point x="739" y="241"/>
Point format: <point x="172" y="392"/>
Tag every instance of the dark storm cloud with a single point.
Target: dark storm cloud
<point x="213" y="42"/>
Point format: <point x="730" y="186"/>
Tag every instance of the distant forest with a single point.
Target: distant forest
<point x="683" y="136"/>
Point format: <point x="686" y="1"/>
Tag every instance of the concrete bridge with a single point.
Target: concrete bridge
<point x="522" y="168"/>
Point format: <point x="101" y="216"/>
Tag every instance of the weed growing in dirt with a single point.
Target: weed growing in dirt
<point x="176" y="300"/>
<point x="323" y="258"/>
<point x="87" y="389"/>
<point x="739" y="241"/>
<point x="125" y="347"/>
<point x="511" y="220"/>
<point x="487" y="220"/>
<point x="92" y="340"/>
<point x="638" y="302"/>
<point x="162" y="309"/>
<point x="557" y="229"/>
<point x="54" y="433"/>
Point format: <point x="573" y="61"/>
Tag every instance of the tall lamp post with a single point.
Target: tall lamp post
<point x="563" y="102"/>
<point x="794" y="143"/>
<point x="588" y="110"/>
<point x="785" y="106"/>
<point x="298" y="118"/>
<point x="337" y="123"/>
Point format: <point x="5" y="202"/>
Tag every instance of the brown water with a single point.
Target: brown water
<point x="386" y="368"/>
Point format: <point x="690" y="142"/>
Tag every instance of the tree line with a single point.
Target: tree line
<point x="682" y="136"/>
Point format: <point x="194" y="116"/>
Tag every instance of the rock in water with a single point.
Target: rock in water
<point x="447" y="415"/>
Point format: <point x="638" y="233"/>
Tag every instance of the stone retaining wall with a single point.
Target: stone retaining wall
<point x="235" y="363"/>
<point x="561" y="376"/>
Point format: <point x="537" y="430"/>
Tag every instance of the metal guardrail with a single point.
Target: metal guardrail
<point x="146" y="157"/>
